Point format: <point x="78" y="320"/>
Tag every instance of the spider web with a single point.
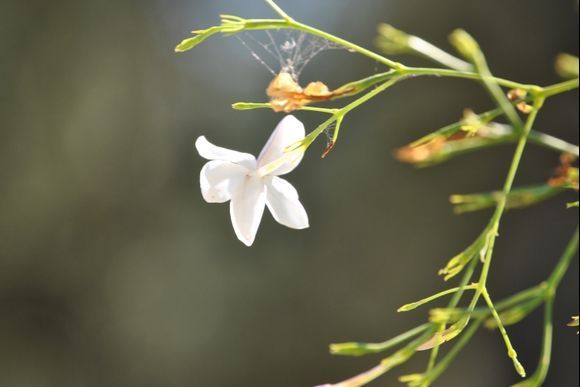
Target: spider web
<point x="285" y="50"/>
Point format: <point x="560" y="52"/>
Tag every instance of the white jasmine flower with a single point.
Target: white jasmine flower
<point x="251" y="184"/>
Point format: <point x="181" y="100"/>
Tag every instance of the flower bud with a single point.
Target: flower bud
<point x="464" y="44"/>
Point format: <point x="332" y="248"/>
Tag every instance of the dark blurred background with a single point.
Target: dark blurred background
<point x="115" y="272"/>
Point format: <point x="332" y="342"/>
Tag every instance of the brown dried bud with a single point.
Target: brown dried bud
<point x="516" y="94"/>
<point x="420" y="153"/>
<point x="287" y="95"/>
<point x="524" y="107"/>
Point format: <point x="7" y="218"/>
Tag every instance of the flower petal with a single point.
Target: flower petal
<point x="288" y="132"/>
<point x="247" y="208"/>
<point x="210" y="151"/>
<point x="220" y="179"/>
<point x="283" y="203"/>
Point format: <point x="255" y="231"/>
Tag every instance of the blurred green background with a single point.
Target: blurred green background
<point x="115" y="272"/>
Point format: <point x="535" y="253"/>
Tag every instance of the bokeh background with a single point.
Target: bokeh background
<point x="114" y="272"/>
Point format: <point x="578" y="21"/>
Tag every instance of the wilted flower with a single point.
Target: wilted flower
<point x="250" y="184"/>
<point x="287" y="95"/>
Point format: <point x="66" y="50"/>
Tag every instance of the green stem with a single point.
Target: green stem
<point x="278" y="10"/>
<point x="539" y="376"/>
<point x="261" y="24"/>
<point x="482" y="314"/>
<point x="546" y="289"/>
<point x="355" y="87"/>
<point x="514" y="300"/>
<point x="517" y="298"/>
<point x="558" y="88"/>
<point x="509" y="183"/>
<point x="493" y="227"/>
<point x="369" y="95"/>
<point x="362" y="84"/>
<point x="512" y="354"/>
<point x="414" y="305"/>
<point x="358" y="349"/>
<point x="408" y="351"/>
<point x="267" y="105"/>
<point x="563" y="264"/>
<point x="465" y="75"/>
<point x="544" y="365"/>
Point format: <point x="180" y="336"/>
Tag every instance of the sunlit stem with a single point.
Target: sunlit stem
<point x="514" y="300"/>
<point x="539" y="376"/>
<point x="500" y="208"/>
<point x="559" y="88"/>
<point x="337" y="129"/>
<point x="267" y="105"/>
<point x="357" y="349"/>
<point x="538" y="103"/>
<point x="278" y="10"/>
<point x="356" y="87"/>
<point x="481" y="313"/>
<point x="449" y="73"/>
<point x="414" y="305"/>
<point x="231" y="18"/>
<point x="544" y="365"/>
<point x="360" y="85"/>
<point x="493" y="227"/>
<point x="563" y="263"/>
<point x="345" y="43"/>
<point x="511" y="351"/>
